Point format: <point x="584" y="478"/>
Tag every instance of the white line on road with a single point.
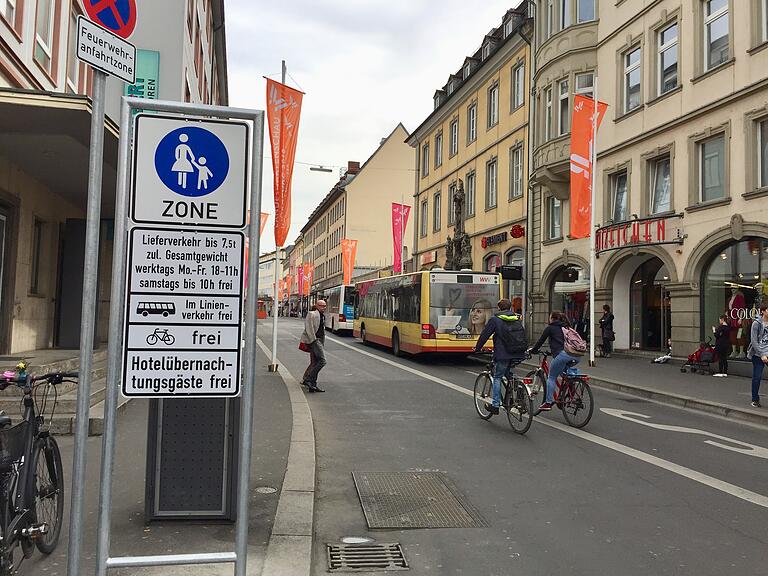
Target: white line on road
<point x="473" y="373"/>
<point x="694" y="475"/>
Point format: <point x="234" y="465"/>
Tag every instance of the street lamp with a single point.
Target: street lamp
<point x="320" y="169"/>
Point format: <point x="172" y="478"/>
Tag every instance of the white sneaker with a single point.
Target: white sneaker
<point x="718" y="375"/>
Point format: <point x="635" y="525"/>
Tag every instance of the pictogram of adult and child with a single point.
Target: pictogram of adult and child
<point x="186" y="163"/>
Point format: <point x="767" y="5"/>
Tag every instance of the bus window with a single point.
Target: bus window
<point x="457" y="307"/>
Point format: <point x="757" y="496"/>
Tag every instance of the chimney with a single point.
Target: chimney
<point x="353" y="167"/>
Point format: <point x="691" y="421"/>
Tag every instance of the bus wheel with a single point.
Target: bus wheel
<point x="363" y="335"/>
<point x="396" y="343"/>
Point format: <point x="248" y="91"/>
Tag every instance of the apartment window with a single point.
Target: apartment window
<point x="437" y="100"/>
<point x="518" y="86"/>
<point x="451" y="195"/>
<point x="563" y="109"/>
<point x="467" y="70"/>
<point x="493" y="105"/>
<point x="550" y="18"/>
<point x="632" y="79"/>
<point x="472" y="123"/>
<point x="565" y="14"/>
<point x="667" y="62"/>
<point x="450" y="87"/>
<point x="762" y="156"/>
<point x="44" y="34"/>
<point x="8" y="11"/>
<point x="507" y="28"/>
<point x="424" y="217"/>
<point x="436" y="210"/>
<point x="547" y="114"/>
<point x="454" y="137"/>
<point x="554" y="218"/>
<point x="585" y="11"/>
<point x="619" y="198"/>
<point x="712" y="169"/>
<point x="491" y="184"/>
<point x="438" y="149"/>
<point x="716" y="40"/>
<point x="425" y="160"/>
<point x="661" y="185"/>
<point x="37" y="249"/>
<point x="515" y="172"/>
<point x="486" y="51"/>
<point x="73" y="64"/>
<point x="471" y="194"/>
<point x="585" y="84"/>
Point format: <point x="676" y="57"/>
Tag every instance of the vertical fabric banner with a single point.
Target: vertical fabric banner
<point x="307" y="281"/>
<point x="581" y="163"/>
<point x="283" y="114"/>
<point x="300" y="278"/>
<point x="263" y="224"/>
<point x="288" y="286"/>
<point x="348" y="253"/>
<point x="400" y="214"/>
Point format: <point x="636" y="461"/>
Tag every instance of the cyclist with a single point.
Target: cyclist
<point x="560" y="358"/>
<point x="509" y="344"/>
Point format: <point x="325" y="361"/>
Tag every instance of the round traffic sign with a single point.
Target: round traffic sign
<point x="192" y="161"/>
<point x="118" y="16"/>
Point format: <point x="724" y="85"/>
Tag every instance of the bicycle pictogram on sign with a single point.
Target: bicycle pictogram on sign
<point x="118" y="16"/>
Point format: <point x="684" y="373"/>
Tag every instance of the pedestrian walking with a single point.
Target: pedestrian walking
<point x="314" y="337"/>
<point x="722" y="345"/>
<point x="758" y="352"/>
<point x="606" y="331"/>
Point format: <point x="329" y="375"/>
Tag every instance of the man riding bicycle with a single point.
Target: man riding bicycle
<point x="509" y="345"/>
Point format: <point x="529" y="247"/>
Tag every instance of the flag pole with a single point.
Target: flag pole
<point x="592" y="256"/>
<point x="273" y="365"/>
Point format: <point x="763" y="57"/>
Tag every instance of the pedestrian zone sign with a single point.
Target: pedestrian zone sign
<point x="190" y="172"/>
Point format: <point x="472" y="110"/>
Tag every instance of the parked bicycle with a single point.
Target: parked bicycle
<point x="515" y="400"/>
<point x="31" y="473"/>
<point x="573" y="395"/>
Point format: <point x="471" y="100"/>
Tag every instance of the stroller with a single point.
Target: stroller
<point x="701" y="360"/>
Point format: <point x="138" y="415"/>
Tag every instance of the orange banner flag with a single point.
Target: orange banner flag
<point x="309" y="270"/>
<point x="348" y="253"/>
<point x="283" y="114"/>
<point x="581" y="163"/>
<point x="264" y="218"/>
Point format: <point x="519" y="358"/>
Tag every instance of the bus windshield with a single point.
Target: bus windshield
<point x="459" y="307"/>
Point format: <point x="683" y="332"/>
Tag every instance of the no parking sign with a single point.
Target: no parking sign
<point x="117" y="16"/>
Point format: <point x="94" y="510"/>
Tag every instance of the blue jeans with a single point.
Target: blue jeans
<point x="557" y="367"/>
<point x="501" y="367"/>
<point x="757" y="376"/>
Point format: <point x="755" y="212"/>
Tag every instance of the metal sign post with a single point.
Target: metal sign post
<point x="185" y="333"/>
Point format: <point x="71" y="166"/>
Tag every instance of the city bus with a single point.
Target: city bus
<point x="428" y="311"/>
<point x="341" y="308"/>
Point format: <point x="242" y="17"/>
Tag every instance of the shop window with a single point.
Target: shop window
<point x="735" y="283"/>
<point x="492" y="263"/>
<point x="569" y="294"/>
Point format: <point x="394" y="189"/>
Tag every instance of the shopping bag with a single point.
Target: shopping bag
<point x="304" y="347"/>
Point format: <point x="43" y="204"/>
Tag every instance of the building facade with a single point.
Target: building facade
<point x="681" y="178"/>
<point x="477" y="136"/>
<point x="45" y="115"/>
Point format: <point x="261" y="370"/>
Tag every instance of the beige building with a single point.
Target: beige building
<point x="682" y="174"/>
<point x="477" y="134"/>
<point x="359" y="207"/>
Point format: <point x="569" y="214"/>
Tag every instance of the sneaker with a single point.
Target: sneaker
<point x="316" y="388"/>
<point x="756" y="404"/>
<point x="546" y="406"/>
<point x="493" y="409"/>
<point x="718" y="375"/>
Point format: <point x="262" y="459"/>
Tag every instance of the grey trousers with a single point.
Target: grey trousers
<point x="316" y="363"/>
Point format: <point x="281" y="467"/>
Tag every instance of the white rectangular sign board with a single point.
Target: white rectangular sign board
<point x="189" y="171"/>
<point x="184" y="313"/>
<point x="105" y="51"/>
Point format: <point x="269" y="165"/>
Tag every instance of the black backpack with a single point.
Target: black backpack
<point x="513" y="335"/>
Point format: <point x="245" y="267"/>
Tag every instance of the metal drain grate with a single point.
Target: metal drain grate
<point x="414" y="500"/>
<point x="365" y="558"/>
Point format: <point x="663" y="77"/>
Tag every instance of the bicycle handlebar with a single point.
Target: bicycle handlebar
<point x="52" y="378"/>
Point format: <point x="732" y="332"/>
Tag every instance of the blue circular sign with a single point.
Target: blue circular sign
<point x="192" y="161"/>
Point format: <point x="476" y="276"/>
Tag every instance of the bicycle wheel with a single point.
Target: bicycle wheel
<point x="6" y="515"/>
<point x="152" y="339"/>
<point x="520" y="409"/>
<point x="483" y="395"/>
<point x="169" y="339"/>
<point x="49" y="492"/>
<point x="538" y="390"/>
<point x="577" y="402"/>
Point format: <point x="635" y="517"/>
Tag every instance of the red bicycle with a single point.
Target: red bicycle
<point x="573" y="395"/>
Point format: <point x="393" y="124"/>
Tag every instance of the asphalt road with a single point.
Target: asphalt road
<point x="644" y="489"/>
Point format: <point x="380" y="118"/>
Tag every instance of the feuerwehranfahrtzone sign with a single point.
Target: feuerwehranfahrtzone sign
<point x="105" y="51"/>
<point x="183" y="321"/>
<point x="189" y="171"/>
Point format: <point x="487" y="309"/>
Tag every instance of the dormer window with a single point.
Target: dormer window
<point x="437" y="100"/>
<point x="467" y="70"/>
<point x="486" y="51"/>
<point x="450" y="87"/>
<point x="507" y="28"/>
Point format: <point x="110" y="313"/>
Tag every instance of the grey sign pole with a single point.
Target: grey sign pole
<point x="88" y="322"/>
<point x="117" y="311"/>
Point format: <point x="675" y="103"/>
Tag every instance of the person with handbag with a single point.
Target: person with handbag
<point x="606" y="331"/>
<point x="313" y="338"/>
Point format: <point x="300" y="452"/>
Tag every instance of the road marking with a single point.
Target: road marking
<point x="750" y="450"/>
<point x="473" y="373"/>
<point x="717" y="484"/>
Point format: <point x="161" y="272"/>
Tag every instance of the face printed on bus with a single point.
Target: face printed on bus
<point x="479" y="315"/>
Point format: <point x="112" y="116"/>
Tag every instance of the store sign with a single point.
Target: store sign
<point x="487" y="241"/>
<point x="147" y="76"/>
<point x="644" y="232"/>
<point x="517" y="231"/>
<point x="428" y="258"/>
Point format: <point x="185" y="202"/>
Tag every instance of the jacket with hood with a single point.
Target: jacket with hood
<point x="554" y="332"/>
<point x="499" y="326"/>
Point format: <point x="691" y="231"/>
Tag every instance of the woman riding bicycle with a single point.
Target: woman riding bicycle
<point x="560" y="358"/>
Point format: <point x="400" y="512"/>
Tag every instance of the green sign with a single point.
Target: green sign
<point x="147" y="76"/>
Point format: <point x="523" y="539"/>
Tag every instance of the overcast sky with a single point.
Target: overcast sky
<point x="364" y="66"/>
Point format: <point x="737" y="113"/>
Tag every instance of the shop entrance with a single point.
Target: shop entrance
<point x="650" y="318"/>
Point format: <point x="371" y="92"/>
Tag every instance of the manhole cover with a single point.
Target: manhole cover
<point x="365" y="557"/>
<point x="266" y="490"/>
<point x="414" y="500"/>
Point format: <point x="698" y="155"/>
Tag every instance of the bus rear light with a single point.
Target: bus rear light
<point x="528" y="381"/>
<point x="427" y="331"/>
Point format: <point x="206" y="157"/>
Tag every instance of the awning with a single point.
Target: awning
<point x="571" y="287"/>
<point x="47" y="134"/>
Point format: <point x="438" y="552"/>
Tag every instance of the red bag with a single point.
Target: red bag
<point x="304" y="347"/>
